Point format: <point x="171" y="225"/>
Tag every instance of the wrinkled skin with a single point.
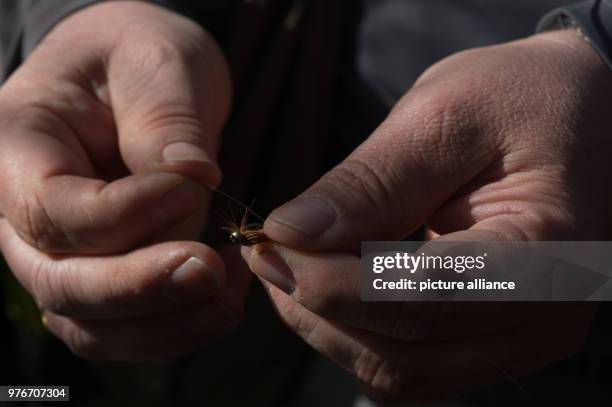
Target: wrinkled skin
<point x="98" y="209"/>
<point x="505" y="142"/>
<point x="509" y="142"/>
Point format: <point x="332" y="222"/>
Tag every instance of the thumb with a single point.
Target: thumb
<point x="170" y="104"/>
<point x="389" y="186"/>
<point x="329" y="285"/>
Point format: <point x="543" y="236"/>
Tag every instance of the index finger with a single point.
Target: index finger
<point x="52" y="197"/>
<point x="146" y="281"/>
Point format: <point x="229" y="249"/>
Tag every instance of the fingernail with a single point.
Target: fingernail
<point x="180" y="156"/>
<point x="182" y="151"/>
<point x="270" y="267"/>
<point x="308" y="215"/>
<point x="192" y="280"/>
<point x="178" y="203"/>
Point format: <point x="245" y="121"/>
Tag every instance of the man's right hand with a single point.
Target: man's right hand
<point x="108" y="138"/>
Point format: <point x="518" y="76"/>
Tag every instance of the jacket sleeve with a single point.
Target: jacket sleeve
<point x="23" y="23"/>
<point x="593" y="18"/>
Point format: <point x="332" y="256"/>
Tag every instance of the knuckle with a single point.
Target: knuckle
<point x="181" y="120"/>
<point x="41" y="288"/>
<point x="360" y="180"/>
<point x="76" y="336"/>
<point x="82" y="344"/>
<point x="99" y="215"/>
<point x="157" y="52"/>
<point x="384" y="377"/>
<point x="330" y="299"/>
<point x="444" y="122"/>
<point x="447" y="119"/>
<point x="164" y="42"/>
<point x="50" y="293"/>
<point x="156" y="59"/>
<point x="326" y="298"/>
<point x="125" y="288"/>
<point x="366" y="176"/>
<point x="36" y="226"/>
<point x="163" y="53"/>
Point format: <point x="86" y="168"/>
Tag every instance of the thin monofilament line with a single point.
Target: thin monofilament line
<point x="237" y="202"/>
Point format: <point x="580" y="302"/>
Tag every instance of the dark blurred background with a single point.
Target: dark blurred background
<point x="382" y="47"/>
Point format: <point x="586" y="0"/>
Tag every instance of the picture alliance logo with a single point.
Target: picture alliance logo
<point x="412" y="263"/>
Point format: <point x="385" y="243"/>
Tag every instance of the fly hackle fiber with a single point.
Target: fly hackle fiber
<point x="240" y="230"/>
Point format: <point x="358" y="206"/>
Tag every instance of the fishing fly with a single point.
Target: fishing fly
<point x="243" y="232"/>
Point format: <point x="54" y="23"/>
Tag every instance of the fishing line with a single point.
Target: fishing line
<point x="237" y="202"/>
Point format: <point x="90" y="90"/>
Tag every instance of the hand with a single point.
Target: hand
<point x="509" y="142"/>
<point x="109" y="135"/>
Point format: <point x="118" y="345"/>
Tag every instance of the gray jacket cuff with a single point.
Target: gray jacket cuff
<point x="26" y="22"/>
<point x="592" y="17"/>
<point x="40" y="16"/>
